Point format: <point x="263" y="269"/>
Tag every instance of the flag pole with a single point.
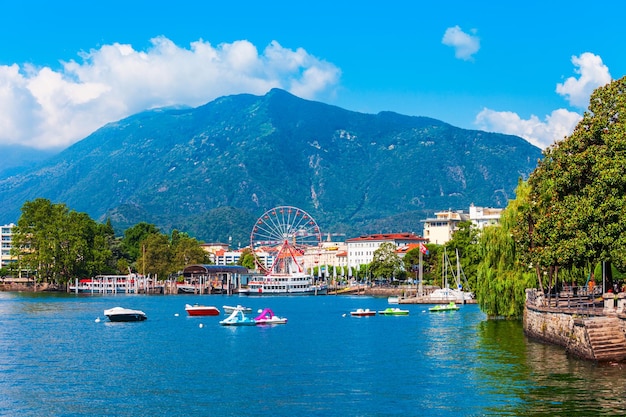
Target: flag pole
<point x="420" y="291"/>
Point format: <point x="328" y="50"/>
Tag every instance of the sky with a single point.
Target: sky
<point x="522" y="68"/>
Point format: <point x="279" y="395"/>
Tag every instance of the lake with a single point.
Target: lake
<point x="57" y="360"/>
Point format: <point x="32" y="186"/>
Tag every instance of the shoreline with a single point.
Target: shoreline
<point x="405" y="295"/>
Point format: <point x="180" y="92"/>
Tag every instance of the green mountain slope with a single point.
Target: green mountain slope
<point x="214" y="169"/>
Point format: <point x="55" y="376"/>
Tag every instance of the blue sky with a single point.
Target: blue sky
<point x="523" y="68"/>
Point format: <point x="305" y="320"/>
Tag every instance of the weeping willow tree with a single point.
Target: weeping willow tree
<point x="502" y="276"/>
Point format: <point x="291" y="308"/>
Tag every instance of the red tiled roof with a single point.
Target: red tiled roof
<point x="389" y="236"/>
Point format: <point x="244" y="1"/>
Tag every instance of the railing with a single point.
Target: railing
<point x="572" y="300"/>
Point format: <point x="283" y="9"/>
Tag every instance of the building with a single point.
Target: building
<point x="214" y="248"/>
<point x="361" y="249"/>
<point x="6" y="233"/>
<point x="440" y="229"/>
<point x="484" y="216"/>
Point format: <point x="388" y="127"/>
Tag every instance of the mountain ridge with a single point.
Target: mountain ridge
<point x="353" y="172"/>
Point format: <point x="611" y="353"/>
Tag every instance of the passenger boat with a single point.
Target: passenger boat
<point x="230" y="309"/>
<point x="444" y="307"/>
<point x="267" y="316"/>
<point x="359" y="312"/>
<point x="238" y="318"/>
<point x="394" y="311"/>
<point x="284" y="284"/>
<point x="198" y="310"/>
<point x="125" y="314"/>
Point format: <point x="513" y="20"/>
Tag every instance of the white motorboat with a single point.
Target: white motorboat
<point x="125" y="314"/>
<point x="230" y="309"/>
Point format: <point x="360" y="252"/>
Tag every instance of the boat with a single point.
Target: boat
<point x="125" y="314"/>
<point x="446" y="294"/>
<point x="185" y="288"/>
<point x="444" y="307"/>
<point x="284" y="284"/>
<point x="198" y="310"/>
<point x="238" y="318"/>
<point x="360" y="312"/>
<point x="267" y="316"/>
<point x="230" y="309"/>
<point x="394" y="299"/>
<point x="394" y="311"/>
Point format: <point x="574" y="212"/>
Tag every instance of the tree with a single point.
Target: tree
<point x="155" y="258"/>
<point x="385" y="262"/>
<point x="576" y="213"/>
<point x="247" y="259"/>
<point x="59" y="244"/>
<point x="502" y="275"/>
<point x="186" y="250"/>
<point x="431" y="263"/>
<point x="131" y="243"/>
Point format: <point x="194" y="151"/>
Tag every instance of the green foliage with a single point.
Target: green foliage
<point x="133" y="236"/>
<point x="58" y="244"/>
<point x="501" y="276"/>
<point x="247" y="259"/>
<point x="156" y="256"/>
<point x="431" y="264"/>
<point x="386" y="263"/>
<point x="575" y="215"/>
<point x="186" y="251"/>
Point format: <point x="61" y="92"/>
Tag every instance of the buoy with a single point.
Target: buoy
<point x="201" y="325"/>
<point x="343" y="315"/>
<point x="98" y="320"/>
<point x="176" y="315"/>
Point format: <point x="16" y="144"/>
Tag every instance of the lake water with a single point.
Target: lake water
<point x="56" y="360"/>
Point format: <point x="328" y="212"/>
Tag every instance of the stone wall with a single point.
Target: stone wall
<point x="572" y="328"/>
<point x="559" y="328"/>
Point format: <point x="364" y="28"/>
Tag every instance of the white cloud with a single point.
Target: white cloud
<point x="560" y="123"/>
<point x="593" y="74"/>
<point x="555" y="126"/>
<point x="465" y="45"/>
<point x="47" y="108"/>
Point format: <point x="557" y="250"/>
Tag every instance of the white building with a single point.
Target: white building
<point x="361" y="249"/>
<point x="484" y="216"/>
<point x="440" y="229"/>
<point x="6" y="233"/>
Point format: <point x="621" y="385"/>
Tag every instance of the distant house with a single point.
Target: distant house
<point x="440" y="229"/>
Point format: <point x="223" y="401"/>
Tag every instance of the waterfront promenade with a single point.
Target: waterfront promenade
<point x="588" y="325"/>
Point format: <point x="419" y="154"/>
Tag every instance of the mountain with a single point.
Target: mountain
<point x="213" y="170"/>
<point x="17" y="159"/>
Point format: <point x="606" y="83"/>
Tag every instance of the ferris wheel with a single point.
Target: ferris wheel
<point x="285" y="228"/>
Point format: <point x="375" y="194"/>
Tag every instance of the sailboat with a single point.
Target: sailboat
<point x="445" y="293"/>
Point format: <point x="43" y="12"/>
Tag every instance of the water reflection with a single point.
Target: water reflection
<point x="542" y="380"/>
